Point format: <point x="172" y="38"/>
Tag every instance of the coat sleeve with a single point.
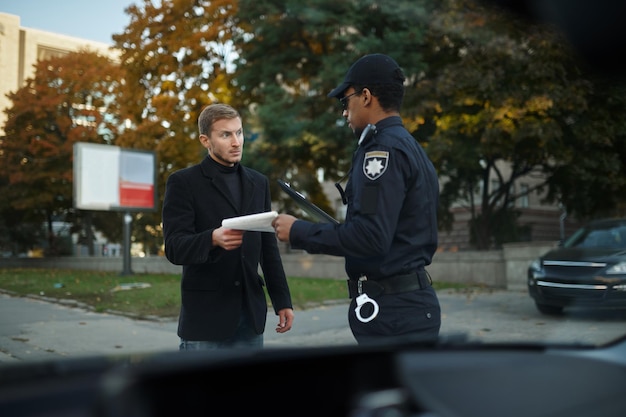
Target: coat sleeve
<point x="272" y="265"/>
<point x="184" y="245"/>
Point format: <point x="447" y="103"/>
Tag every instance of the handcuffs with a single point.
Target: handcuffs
<point x="363" y="299"/>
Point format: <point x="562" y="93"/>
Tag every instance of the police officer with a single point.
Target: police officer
<point x="390" y="232"/>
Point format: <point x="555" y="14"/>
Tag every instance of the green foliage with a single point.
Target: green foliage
<point x="64" y="103"/>
<point x="490" y="96"/>
<point x="311" y="46"/>
<point x="593" y="183"/>
<point x="104" y="291"/>
<point x="177" y="57"/>
<point x="16" y="235"/>
<point x="98" y="290"/>
<point x="508" y="99"/>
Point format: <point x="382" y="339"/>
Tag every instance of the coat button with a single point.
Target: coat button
<point x="237" y="283"/>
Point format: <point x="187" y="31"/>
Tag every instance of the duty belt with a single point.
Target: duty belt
<point x="389" y="285"/>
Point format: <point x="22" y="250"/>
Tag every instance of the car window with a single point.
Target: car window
<point x="611" y="237"/>
<point x="497" y="104"/>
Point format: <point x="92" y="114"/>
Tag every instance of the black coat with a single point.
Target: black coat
<point x="216" y="282"/>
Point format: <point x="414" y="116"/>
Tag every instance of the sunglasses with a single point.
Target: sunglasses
<point x="345" y="99"/>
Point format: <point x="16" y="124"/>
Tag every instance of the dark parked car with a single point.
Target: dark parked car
<point x="587" y="270"/>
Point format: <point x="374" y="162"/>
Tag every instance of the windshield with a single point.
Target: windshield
<point x="507" y="140"/>
<point x="610" y="235"/>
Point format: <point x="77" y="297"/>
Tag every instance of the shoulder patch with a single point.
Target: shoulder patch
<point x="375" y="164"/>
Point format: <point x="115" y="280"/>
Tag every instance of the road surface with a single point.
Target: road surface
<point x="40" y="329"/>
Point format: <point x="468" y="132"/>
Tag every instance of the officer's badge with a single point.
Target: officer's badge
<point x="375" y="164"/>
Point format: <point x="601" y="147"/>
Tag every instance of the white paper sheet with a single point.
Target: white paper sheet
<point x="260" y="222"/>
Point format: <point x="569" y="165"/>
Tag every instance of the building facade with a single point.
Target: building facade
<point x="21" y="48"/>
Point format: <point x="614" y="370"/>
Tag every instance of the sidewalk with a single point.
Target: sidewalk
<point x="32" y="329"/>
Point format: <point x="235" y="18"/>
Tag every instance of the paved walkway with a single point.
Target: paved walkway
<point x="33" y="329"/>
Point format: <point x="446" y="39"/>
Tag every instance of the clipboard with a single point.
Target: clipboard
<point x="309" y="208"/>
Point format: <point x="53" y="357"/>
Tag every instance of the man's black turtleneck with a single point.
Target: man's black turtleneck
<point x="232" y="179"/>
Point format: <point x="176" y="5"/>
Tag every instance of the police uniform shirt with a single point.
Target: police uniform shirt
<point x="391" y="220"/>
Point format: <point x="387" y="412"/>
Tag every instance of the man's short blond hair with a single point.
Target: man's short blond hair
<point x="212" y="113"/>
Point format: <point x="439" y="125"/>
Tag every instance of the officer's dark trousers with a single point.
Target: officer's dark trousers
<point x="407" y="317"/>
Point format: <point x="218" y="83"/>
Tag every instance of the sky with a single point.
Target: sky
<point x="95" y="20"/>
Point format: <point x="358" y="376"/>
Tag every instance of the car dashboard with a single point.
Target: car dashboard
<point x="351" y="381"/>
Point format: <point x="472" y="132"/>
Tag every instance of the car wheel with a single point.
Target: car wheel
<point x="549" y="309"/>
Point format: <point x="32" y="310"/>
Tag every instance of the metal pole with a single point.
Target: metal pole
<point x="128" y="219"/>
<point x="562" y="222"/>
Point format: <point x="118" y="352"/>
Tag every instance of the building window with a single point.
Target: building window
<point x="45" y="53"/>
<point x="523" y="199"/>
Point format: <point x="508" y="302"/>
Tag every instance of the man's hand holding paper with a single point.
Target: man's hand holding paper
<point x="260" y="222"/>
<point x="228" y="239"/>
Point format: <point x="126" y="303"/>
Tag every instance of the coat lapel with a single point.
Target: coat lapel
<point x="248" y="190"/>
<point x="209" y="170"/>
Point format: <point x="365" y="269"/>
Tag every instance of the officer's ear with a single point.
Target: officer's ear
<point x="367" y="96"/>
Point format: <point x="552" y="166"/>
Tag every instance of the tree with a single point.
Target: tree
<point x="68" y="100"/>
<point x="311" y="45"/>
<point x="484" y="90"/>
<point x="177" y="57"/>
<point x="16" y="235"/>
<point x="593" y="182"/>
<point x="487" y="94"/>
<point x="501" y="89"/>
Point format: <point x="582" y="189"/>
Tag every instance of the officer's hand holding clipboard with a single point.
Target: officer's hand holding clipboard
<point x="282" y="224"/>
<point x="309" y="208"/>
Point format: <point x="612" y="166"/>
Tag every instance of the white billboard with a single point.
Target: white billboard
<point x="110" y="178"/>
